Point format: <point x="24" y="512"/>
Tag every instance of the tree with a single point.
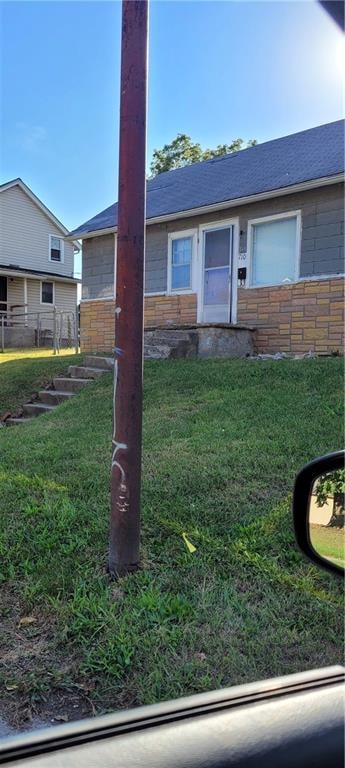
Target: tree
<point x="332" y="485"/>
<point x="183" y="151"/>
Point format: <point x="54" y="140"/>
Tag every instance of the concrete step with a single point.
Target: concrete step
<point x="167" y="331"/>
<point x="153" y="357"/>
<point x="166" y="337"/>
<point x="81" y="372"/>
<point x="36" y="409"/>
<point x="14" y="420"/>
<point x="161" y="342"/>
<point x="156" y="352"/>
<point x="53" y="396"/>
<point x="64" y="384"/>
<point x="94" y="361"/>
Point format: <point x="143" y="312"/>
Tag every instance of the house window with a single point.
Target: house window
<point x="274" y="250"/>
<point x="55" y="248"/>
<point x="181" y="263"/>
<point x="47" y="292"/>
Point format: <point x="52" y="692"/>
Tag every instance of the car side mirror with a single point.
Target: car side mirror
<point x="319" y="511"/>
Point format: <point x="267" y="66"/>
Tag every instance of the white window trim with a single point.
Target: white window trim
<point x="62" y="251"/>
<point x="308" y="278"/>
<point x="47" y="303"/>
<point x="193" y="233"/>
<point x="99" y="298"/>
<point x="221" y="224"/>
<point x="275" y="217"/>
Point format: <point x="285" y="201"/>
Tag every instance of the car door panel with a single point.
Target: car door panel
<point x="290" y="721"/>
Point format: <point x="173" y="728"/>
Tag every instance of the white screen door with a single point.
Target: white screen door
<point x="217" y="258"/>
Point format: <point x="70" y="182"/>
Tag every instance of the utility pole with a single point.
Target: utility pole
<point x="129" y="309"/>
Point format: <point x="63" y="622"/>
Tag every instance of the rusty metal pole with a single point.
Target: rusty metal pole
<point x="129" y="321"/>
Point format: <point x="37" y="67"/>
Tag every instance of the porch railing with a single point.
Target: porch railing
<point x="5" y="306"/>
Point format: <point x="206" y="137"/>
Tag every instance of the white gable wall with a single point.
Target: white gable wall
<point x="24" y="235"/>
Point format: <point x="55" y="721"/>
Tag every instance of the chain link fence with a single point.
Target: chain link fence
<point x="51" y="329"/>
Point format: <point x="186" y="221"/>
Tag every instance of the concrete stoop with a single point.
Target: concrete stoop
<point x="160" y="343"/>
<point x="204" y="341"/>
<point x="62" y="388"/>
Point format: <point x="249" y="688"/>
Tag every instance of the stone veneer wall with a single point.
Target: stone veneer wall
<point x="97" y="324"/>
<point x="97" y="318"/>
<point x="295" y="318"/>
<point x="289" y="318"/>
<point x="170" y="310"/>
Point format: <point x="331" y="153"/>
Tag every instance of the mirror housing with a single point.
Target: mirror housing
<point x="312" y="524"/>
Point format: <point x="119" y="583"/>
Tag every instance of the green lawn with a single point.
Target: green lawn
<point x="222" y="444"/>
<point x="329" y="542"/>
<point x="23" y="372"/>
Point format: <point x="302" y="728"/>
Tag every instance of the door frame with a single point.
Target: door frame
<point x="221" y="224"/>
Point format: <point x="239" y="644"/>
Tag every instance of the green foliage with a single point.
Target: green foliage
<point x="183" y="151"/>
<point x="330" y="484"/>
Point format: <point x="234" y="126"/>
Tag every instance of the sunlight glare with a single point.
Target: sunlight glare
<point x="339" y="58"/>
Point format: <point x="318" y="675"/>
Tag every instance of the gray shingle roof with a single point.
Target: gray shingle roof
<point x="305" y="156"/>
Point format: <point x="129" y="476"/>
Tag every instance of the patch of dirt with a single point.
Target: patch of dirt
<point x="40" y="686"/>
<point x="29" y="697"/>
<point x="22" y="713"/>
<point x="24" y="637"/>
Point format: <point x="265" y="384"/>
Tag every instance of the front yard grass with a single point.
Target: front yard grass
<point x="24" y="371"/>
<point x="223" y="441"/>
<point x="329" y="542"/>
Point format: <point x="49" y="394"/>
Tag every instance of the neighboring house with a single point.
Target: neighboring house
<point x="252" y="238"/>
<point x="36" y="266"/>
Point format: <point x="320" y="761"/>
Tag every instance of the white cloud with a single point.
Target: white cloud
<point x="30" y="137"/>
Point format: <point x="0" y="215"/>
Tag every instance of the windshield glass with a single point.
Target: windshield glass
<point x="146" y="539"/>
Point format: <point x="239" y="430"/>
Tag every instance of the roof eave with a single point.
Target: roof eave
<point x="293" y="188"/>
<point x="37" y="275"/>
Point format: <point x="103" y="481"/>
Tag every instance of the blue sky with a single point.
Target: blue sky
<point x="218" y="70"/>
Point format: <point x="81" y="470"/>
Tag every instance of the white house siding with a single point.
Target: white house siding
<point x="24" y="235"/>
<point x="65" y="300"/>
<point x="15" y="293"/>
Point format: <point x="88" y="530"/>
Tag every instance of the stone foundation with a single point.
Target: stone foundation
<point x="170" y="310"/>
<point x="289" y="318"/>
<point x="97" y="325"/>
<point x="295" y="318"/>
<point x="97" y="318"/>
